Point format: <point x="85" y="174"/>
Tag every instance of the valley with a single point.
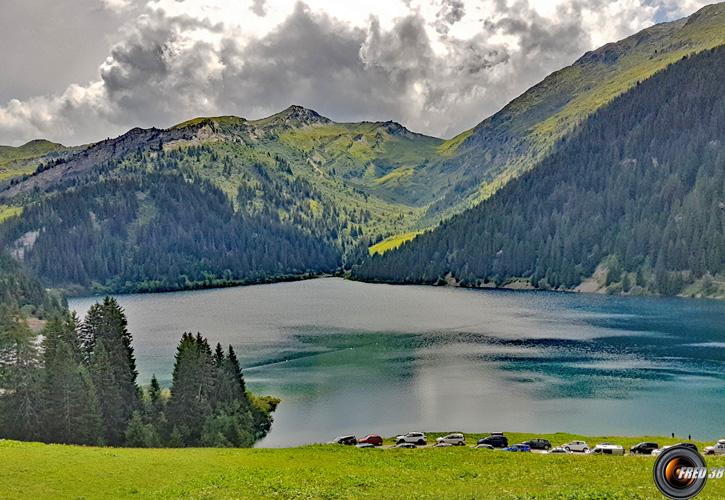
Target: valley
<point x="296" y="194"/>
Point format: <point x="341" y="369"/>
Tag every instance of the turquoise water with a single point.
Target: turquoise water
<point x="358" y="358"/>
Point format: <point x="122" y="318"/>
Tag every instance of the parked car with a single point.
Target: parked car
<point x="580" y="446"/>
<point x="347" y="440"/>
<point x="496" y="439"/>
<point x="538" y="444"/>
<point x="412" y="437"/>
<point x="372" y="439"/>
<point x="659" y="451"/>
<point x="645" y="448"/>
<point x="484" y="446"/>
<point x="405" y="445"/>
<point x="518" y="447"/>
<point x="365" y="445"/>
<point x="716" y="449"/>
<point x="608" y="449"/>
<point x="443" y="445"/>
<point x="456" y="439"/>
<point x="558" y="450"/>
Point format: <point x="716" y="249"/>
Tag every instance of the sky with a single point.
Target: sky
<point x="76" y="71"/>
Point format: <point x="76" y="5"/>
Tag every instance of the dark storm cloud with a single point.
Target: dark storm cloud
<point x="167" y="68"/>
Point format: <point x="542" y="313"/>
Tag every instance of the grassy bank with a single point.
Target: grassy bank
<point x="32" y="470"/>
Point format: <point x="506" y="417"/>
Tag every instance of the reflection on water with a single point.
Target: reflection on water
<point x="349" y="357"/>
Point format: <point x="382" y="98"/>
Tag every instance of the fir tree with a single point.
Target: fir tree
<point x="71" y="410"/>
<point x="20" y="369"/>
<point x="193" y="379"/>
<point x="113" y="366"/>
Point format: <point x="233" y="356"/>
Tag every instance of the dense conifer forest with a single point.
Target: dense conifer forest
<point x="78" y="386"/>
<point x="20" y="289"/>
<point x="160" y="231"/>
<point x="638" y="191"/>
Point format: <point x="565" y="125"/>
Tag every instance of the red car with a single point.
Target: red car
<point x="373" y="439"/>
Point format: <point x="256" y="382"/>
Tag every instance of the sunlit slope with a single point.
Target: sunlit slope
<point x="632" y="202"/>
<point x="383" y="158"/>
<point x="511" y="141"/>
<point x="17" y="161"/>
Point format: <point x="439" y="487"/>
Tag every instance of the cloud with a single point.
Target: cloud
<point x="437" y="66"/>
<point x="450" y="13"/>
<point x="258" y="8"/>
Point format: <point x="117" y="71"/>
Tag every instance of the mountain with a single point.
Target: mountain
<point x="214" y="201"/>
<point x="513" y="140"/>
<point x="633" y="201"/>
<point x="226" y="200"/>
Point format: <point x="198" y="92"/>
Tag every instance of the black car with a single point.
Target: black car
<point x="538" y="444"/>
<point x="496" y="440"/>
<point x="644" y="448"/>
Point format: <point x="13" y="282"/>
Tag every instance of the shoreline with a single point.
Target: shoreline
<point x="511" y="286"/>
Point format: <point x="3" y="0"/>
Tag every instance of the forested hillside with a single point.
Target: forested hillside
<point x="638" y="191"/>
<point x="213" y="201"/>
<point x="19" y="290"/>
<point x="515" y="139"/>
<point x="225" y="200"/>
<point x="159" y="231"/>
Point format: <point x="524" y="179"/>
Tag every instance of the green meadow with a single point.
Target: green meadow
<point x="31" y="470"/>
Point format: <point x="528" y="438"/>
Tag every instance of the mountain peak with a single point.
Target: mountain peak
<point x="297" y="114"/>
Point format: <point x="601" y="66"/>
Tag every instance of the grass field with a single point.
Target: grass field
<point x="392" y="243"/>
<point x="30" y="470"/>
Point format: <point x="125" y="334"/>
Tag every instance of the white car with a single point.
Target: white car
<point x="580" y="446"/>
<point x="412" y="437"/>
<point x="456" y="439"/>
<point x="608" y="449"/>
<point x="716" y="449"/>
<point x="659" y="451"/>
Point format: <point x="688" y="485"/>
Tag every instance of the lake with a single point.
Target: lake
<point x="357" y="358"/>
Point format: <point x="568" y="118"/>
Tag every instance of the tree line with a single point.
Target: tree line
<point x="21" y="289"/>
<point x="159" y="231"/>
<point x="638" y="191"/>
<point x="77" y="384"/>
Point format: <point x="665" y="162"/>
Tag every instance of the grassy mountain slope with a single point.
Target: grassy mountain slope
<point x="523" y="132"/>
<point x="636" y="195"/>
<point x="18" y="161"/>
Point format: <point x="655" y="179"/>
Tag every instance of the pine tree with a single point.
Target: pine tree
<point x="235" y="369"/>
<point x="70" y="406"/>
<point x="19" y="361"/>
<point x="193" y="380"/>
<point x="113" y="366"/>
<point x="140" y="434"/>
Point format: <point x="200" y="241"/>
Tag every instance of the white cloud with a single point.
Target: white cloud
<point x="438" y="66"/>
